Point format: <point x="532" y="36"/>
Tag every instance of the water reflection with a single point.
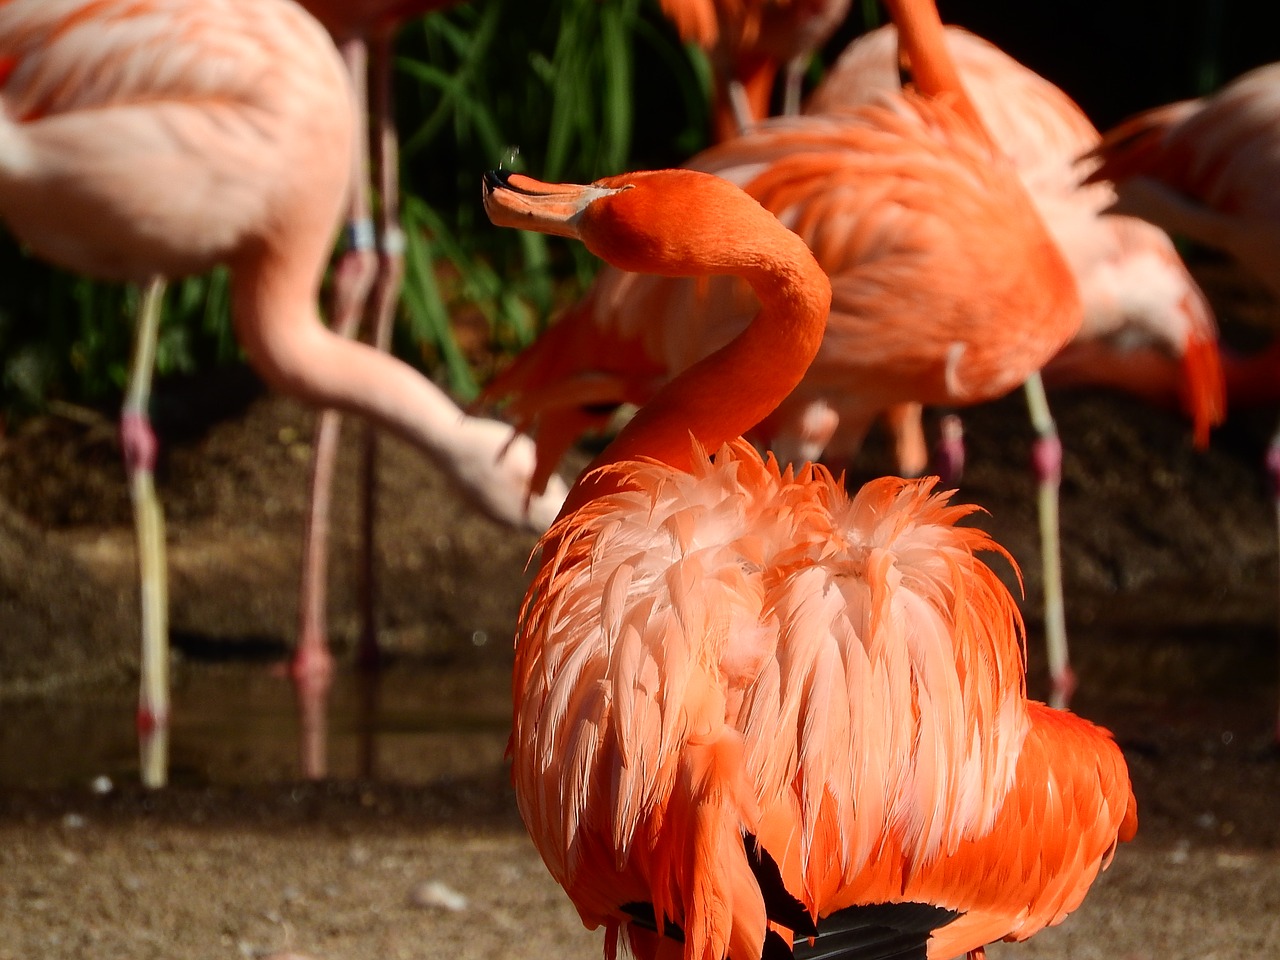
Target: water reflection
<point x="236" y="723"/>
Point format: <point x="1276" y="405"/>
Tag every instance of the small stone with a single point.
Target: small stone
<point x="433" y="893"/>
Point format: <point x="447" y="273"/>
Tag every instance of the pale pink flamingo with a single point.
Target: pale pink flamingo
<point x="156" y="138"/>
<point x="750" y="710"/>
<point x="746" y="41"/>
<point x="1207" y="169"/>
<point x="1139" y="299"/>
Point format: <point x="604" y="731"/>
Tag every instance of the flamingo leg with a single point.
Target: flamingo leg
<point x="138" y="441"/>
<point x="793" y="85"/>
<point x="312" y="664"/>
<point x="386" y="295"/>
<point x="949" y="451"/>
<point x="906" y="428"/>
<point x="1046" y="457"/>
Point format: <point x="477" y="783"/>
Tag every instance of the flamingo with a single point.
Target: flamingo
<point x="904" y="188"/>
<point x="749" y="708"/>
<point x="156" y="138"/>
<point x="1140" y="302"/>
<point x="1206" y="169"/>
<point x="745" y="42"/>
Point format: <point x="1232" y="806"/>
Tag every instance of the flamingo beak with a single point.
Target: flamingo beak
<point x="514" y="200"/>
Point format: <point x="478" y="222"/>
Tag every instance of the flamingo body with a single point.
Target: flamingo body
<point x="1204" y="168"/>
<point x="750" y="709"/>
<point x="144" y="138"/>
<point x="1138" y="299"/>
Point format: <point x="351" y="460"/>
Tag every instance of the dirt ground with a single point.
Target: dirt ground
<point x="1171" y="574"/>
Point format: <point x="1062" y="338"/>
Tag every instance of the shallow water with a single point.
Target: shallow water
<point x="1186" y="692"/>
<point x="235" y="723"/>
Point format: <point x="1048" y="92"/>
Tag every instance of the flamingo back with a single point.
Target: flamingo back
<point x="145" y="136"/>
<point x="1222" y="150"/>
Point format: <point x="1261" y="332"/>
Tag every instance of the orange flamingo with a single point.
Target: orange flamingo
<point x="919" y="221"/>
<point x="1206" y="169"/>
<point x="749" y="708"/>
<point x="745" y="42"/>
<point x="1139" y="301"/>
<point x="149" y="138"/>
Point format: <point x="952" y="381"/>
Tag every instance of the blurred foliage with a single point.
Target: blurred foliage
<point x="554" y="87"/>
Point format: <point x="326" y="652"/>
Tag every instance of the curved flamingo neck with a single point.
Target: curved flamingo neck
<point x="933" y="70"/>
<point x="730" y="391"/>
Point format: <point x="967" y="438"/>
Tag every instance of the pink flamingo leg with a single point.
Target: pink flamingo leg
<point x="139" y="445"/>
<point x="949" y="451"/>
<point x="386" y="295"/>
<point x="1046" y="458"/>
<point x="312" y="664"/>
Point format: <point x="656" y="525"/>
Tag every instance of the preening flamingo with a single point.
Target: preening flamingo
<point x="1139" y="300"/>
<point x="1207" y="169"/>
<point x="745" y="42"/>
<point x="157" y="138"/>
<point x="930" y="241"/>
<point x="750" y="708"/>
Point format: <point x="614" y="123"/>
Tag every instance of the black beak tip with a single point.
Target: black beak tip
<point x="494" y="179"/>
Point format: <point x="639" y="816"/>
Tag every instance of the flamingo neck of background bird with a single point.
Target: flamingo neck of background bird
<point x="933" y="70"/>
<point x="730" y="391"/>
<point x="278" y="324"/>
